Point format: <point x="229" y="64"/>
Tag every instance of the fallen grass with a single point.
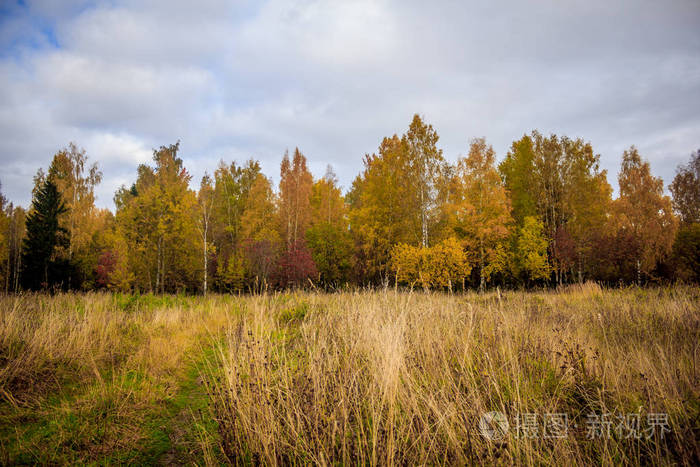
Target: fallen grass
<point x="355" y="378"/>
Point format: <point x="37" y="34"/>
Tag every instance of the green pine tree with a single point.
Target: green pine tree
<point x="42" y="268"/>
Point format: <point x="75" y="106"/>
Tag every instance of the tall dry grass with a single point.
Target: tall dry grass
<point x="92" y="377"/>
<point x="366" y="377"/>
<point x="403" y="378"/>
<point x="46" y="340"/>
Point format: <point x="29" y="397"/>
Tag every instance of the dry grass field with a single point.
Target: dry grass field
<point x="582" y="376"/>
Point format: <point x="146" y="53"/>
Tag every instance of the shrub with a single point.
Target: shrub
<point x="439" y="266"/>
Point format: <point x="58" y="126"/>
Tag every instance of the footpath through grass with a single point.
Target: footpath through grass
<point x="96" y="379"/>
<point x="108" y="422"/>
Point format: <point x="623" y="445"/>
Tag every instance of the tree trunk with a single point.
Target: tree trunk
<point x="481" y="265"/>
<point x="423" y="219"/>
<point x="205" y="267"/>
<point x="580" y="269"/>
<point x="7" y="275"/>
<point x="205" y="256"/>
<point x="18" y="269"/>
<point x="159" y="265"/>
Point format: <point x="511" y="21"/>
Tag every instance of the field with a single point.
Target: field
<point x="582" y="375"/>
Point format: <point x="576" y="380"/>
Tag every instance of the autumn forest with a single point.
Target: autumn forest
<point x="545" y="215"/>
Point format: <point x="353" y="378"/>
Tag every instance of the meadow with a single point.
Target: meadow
<point x="582" y="375"/>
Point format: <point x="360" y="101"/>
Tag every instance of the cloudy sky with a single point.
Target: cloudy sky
<point x="234" y="80"/>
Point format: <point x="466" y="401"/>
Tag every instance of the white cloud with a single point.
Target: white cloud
<point x="91" y="92"/>
<point x="119" y="155"/>
<point x="250" y="79"/>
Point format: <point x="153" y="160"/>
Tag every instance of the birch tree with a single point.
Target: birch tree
<point x="205" y="203"/>
<point x="645" y="214"/>
<point x="155" y="217"/>
<point x="294" y="197"/>
<point x="479" y="214"/>
<point x="328" y="236"/>
<point x="425" y="163"/>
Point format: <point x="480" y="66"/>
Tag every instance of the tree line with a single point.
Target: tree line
<point x="544" y="215"/>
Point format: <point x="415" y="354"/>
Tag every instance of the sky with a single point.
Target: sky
<point x="239" y="79"/>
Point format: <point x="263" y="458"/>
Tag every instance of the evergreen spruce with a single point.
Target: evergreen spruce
<point x="41" y="267"/>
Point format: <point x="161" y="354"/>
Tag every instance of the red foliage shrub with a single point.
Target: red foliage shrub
<point x="295" y="266"/>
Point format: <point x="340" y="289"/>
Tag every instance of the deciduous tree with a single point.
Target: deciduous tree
<point x="157" y="220"/>
<point x="531" y="250"/>
<point x="685" y="189"/>
<point x="4" y="241"/>
<point x="233" y="184"/>
<point x="518" y="173"/>
<point x="645" y="214"/>
<point x="328" y="236"/>
<point x="686" y="253"/>
<point x="261" y="240"/>
<point x="75" y="180"/>
<point x="395" y="198"/>
<point x="444" y="265"/>
<point x="425" y="163"/>
<point x="205" y="203"/>
<point x="295" y="266"/>
<point x="294" y="198"/>
<point x="587" y="202"/>
<point x="14" y="234"/>
<point x="479" y="213"/>
<point x="558" y="180"/>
